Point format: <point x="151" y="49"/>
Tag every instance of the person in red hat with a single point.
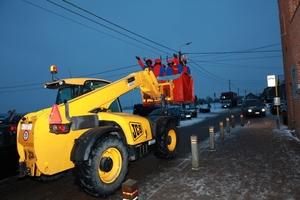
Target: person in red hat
<point x="182" y="67"/>
<point x="158" y="68"/>
<point x="185" y="67"/>
<point x="169" y="69"/>
<point x="178" y="65"/>
<point x="176" y="69"/>
<point x="147" y="61"/>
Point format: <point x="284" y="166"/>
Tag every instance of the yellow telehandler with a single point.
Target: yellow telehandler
<point x="86" y="130"/>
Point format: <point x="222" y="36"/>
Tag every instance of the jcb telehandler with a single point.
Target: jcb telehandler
<point x="85" y="130"/>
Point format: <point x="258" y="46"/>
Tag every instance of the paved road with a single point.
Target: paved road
<point x="253" y="162"/>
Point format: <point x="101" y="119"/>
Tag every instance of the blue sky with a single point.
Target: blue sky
<point x="233" y="41"/>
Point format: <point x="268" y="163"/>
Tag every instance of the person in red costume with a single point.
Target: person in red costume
<point x="158" y="68"/>
<point x="147" y="61"/>
<point x="177" y="64"/>
<point x="185" y="67"/>
<point x="169" y="69"/>
<point x="173" y="67"/>
<point x="182" y="67"/>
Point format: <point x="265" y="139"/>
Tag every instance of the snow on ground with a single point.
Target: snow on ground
<point x="236" y="170"/>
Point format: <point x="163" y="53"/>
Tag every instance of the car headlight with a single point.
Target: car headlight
<point x="264" y="110"/>
<point x="249" y="110"/>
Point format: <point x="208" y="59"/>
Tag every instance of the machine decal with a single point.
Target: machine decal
<point x="136" y="130"/>
<point x="25" y="135"/>
<point x="26" y="126"/>
<point x="130" y="81"/>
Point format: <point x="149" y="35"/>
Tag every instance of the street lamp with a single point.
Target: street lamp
<point x="179" y="53"/>
<point x="184" y="45"/>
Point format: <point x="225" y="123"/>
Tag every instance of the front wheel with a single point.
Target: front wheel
<point x="167" y="143"/>
<point x="105" y="170"/>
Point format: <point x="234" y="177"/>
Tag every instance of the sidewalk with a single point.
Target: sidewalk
<point x="256" y="161"/>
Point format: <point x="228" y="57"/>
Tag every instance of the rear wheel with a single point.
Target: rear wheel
<point x="105" y="170"/>
<point x="167" y="143"/>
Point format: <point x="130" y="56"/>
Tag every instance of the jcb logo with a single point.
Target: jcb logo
<point x="136" y="130"/>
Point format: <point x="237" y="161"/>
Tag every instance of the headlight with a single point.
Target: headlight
<point x="264" y="110"/>
<point x="249" y="110"/>
<point x="61" y="82"/>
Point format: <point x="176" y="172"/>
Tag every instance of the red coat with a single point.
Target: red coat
<point x="158" y="70"/>
<point x="144" y="66"/>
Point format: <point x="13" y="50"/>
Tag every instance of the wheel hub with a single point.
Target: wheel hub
<point x="106" y="164"/>
<point x="169" y="140"/>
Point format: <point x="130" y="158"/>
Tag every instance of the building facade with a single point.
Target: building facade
<point x="289" y="15"/>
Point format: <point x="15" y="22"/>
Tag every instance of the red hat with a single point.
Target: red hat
<point x="170" y="62"/>
<point x="157" y="60"/>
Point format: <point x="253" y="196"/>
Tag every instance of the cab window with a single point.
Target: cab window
<point x="67" y="93"/>
<point x="92" y="85"/>
<point x="115" y="106"/>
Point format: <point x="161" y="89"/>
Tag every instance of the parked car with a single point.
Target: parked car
<point x="185" y="114"/>
<point x="140" y="109"/>
<point x="226" y="104"/>
<point x="10" y="118"/>
<point x="9" y="157"/>
<point x="193" y="110"/>
<point x="165" y="112"/>
<point x="253" y="107"/>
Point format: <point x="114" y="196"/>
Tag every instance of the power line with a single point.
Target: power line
<point x="18" y="86"/>
<point x="84" y="10"/>
<point x="104" y="26"/>
<point x="230" y="65"/>
<point x="208" y="75"/>
<point x="235" y="52"/>
<point x="23" y="90"/>
<point x="87" y="26"/>
<point x="88" y="75"/>
<point x="250" y="58"/>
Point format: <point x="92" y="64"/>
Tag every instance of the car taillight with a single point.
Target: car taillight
<point x="13" y="128"/>
<point x="59" y="128"/>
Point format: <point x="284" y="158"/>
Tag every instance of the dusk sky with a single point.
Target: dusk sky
<point x="235" y="44"/>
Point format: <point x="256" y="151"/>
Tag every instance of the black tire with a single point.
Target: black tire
<point x="167" y="143"/>
<point x="105" y="170"/>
